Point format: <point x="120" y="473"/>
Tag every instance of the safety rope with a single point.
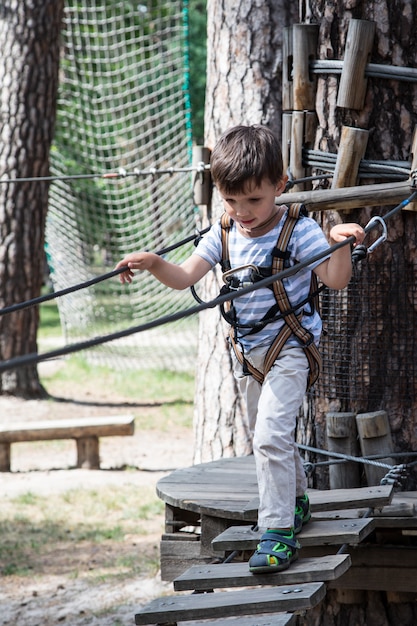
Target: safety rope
<point x="396" y="474"/>
<point x="30" y="359"/>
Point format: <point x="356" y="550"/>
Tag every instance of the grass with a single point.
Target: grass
<point x="33" y="528"/>
<point x="102" y="534"/>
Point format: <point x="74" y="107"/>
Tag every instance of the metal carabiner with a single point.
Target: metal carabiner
<point x="384" y="235"/>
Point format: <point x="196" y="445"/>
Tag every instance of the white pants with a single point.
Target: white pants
<point x="272" y="410"/>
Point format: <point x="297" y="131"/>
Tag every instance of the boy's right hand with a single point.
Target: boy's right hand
<point x="135" y="261"/>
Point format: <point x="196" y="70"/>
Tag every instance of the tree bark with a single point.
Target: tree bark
<point x="379" y="314"/>
<point x="29" y="34"/>
<point x="244" y="70"/>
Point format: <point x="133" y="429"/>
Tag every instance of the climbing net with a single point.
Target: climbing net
<point x="123" y="109"/>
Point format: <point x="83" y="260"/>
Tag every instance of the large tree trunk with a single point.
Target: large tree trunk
<point x="29" y="35"/>
<point x="379" y="315"/>
<point x="244" y="70"/>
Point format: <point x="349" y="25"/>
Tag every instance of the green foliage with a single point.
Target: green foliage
<point x="198" y="56"/>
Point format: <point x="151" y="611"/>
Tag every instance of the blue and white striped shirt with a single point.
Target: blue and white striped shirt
<point x="306" y="241"/>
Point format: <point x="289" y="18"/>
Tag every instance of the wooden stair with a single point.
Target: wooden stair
<point x="268" y="599"/>
<point x="173" y="609"/>
<point x="324" y="533"/>
<point x="224" y="575"/>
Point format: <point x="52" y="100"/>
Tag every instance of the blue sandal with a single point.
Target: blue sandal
<point x="275" y="552"/>
<point x="302" y="513"/>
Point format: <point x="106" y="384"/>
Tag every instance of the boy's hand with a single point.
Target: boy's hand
<point x="340" y="232"/>
<point x="135" y="261"/>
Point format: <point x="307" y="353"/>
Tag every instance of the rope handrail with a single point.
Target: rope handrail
<point x="30" y="359"/>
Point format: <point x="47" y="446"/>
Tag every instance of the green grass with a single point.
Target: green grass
<point x="33" y="527"/>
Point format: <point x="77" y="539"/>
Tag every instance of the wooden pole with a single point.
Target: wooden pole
<point x="351" y="151"/>
<point x="287" y="70"/>
<point x="305" y="38"/>
<point x="352" y="87"/>
<point x="201" y="180"/>
<point x="286" y="140"/>
<point x="375" y="438"/>
<point x="380" y="194"/>
<point x="413" y="205"/>
<point x="342" y="437"/>
<point x="296" y="151"/>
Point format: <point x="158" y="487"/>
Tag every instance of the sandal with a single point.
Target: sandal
<point x="302" y="512"/>
<point x="275" y="552"/>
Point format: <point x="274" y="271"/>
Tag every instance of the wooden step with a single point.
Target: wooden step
<point x="370" y="497"/>
<point x="224" y="575"/>
<point x="256" y="601"/>
<point x="324" y="533"/>
<point x="273" y="619"/>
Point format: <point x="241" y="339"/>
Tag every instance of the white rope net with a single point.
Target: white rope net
<point x="123" y="105"/>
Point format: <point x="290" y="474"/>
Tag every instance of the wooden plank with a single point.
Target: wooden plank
<point x="274" y="619"/>
<point x="326" y="533"/>
<point x="231" y="603"/>
<point x="177" y="556"/>
<point x="226" y="575"/>
<point x="329" y="500"/>
<point x="119" y="425"/>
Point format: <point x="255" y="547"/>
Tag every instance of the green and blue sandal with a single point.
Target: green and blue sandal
<point x="302" y="513"/>
<point x="275" y="551"/>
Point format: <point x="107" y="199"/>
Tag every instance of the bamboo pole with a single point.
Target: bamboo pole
<point x="352" y="87"/>
<point x="381" y="194"/>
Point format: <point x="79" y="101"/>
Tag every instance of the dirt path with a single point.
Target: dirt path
<point x="57" y="596"/>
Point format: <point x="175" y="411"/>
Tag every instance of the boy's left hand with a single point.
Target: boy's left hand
<point x="340" y="232"/>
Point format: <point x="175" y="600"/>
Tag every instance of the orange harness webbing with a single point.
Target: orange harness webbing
<point x="292" y="325"/>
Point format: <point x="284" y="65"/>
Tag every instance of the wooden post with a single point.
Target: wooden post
<point x="413" y="205"/>
<point x="375" y="438"/>
<point x="352" y="87"/>
<point x="305" y="38"/>
<point x="5" y="456"/>
<point x="287" y="70"/>
<point x="352" y="148"/>
<point x="286" y="140"/>
<point x="296" y="152"/>
<point x="201" y="180"/>
<point x="88" y="453"/>
<point x="342" y="437"/>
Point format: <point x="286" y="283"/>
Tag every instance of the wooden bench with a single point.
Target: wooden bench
<point x="85" y="431"/>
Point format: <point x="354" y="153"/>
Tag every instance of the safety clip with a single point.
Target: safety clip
<point x="384" y="235"/>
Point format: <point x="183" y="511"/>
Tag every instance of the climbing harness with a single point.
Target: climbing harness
<point x="291" y="315"/>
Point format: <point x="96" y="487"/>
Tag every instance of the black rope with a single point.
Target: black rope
<point x="93" y="281"/>
<point x="30" y="359"/>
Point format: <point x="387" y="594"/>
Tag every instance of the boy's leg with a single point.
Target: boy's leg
<point x="279" y="467"/>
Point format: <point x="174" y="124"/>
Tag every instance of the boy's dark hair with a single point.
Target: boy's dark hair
<point x="243" y="153"/>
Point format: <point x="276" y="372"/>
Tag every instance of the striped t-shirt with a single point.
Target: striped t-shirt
<point x="307" y="240"/>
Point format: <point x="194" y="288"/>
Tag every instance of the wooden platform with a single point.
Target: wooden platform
<point x="208" y="508"/>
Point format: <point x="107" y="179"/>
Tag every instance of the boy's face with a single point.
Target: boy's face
<point x="255" y="205"/>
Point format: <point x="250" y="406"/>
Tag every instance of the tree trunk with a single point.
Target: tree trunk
<point x="379" y="313"/>
<point x="29" y="35"/>
<point x="244" y="69"/>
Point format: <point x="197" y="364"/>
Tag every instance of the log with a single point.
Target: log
<point x="352" y="87"/>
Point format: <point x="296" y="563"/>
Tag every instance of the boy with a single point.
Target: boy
<point x="246" y="166"/>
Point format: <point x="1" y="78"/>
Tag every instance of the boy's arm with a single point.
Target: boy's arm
<point x="170" y="274"/>
<point x="336" y="271"/>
